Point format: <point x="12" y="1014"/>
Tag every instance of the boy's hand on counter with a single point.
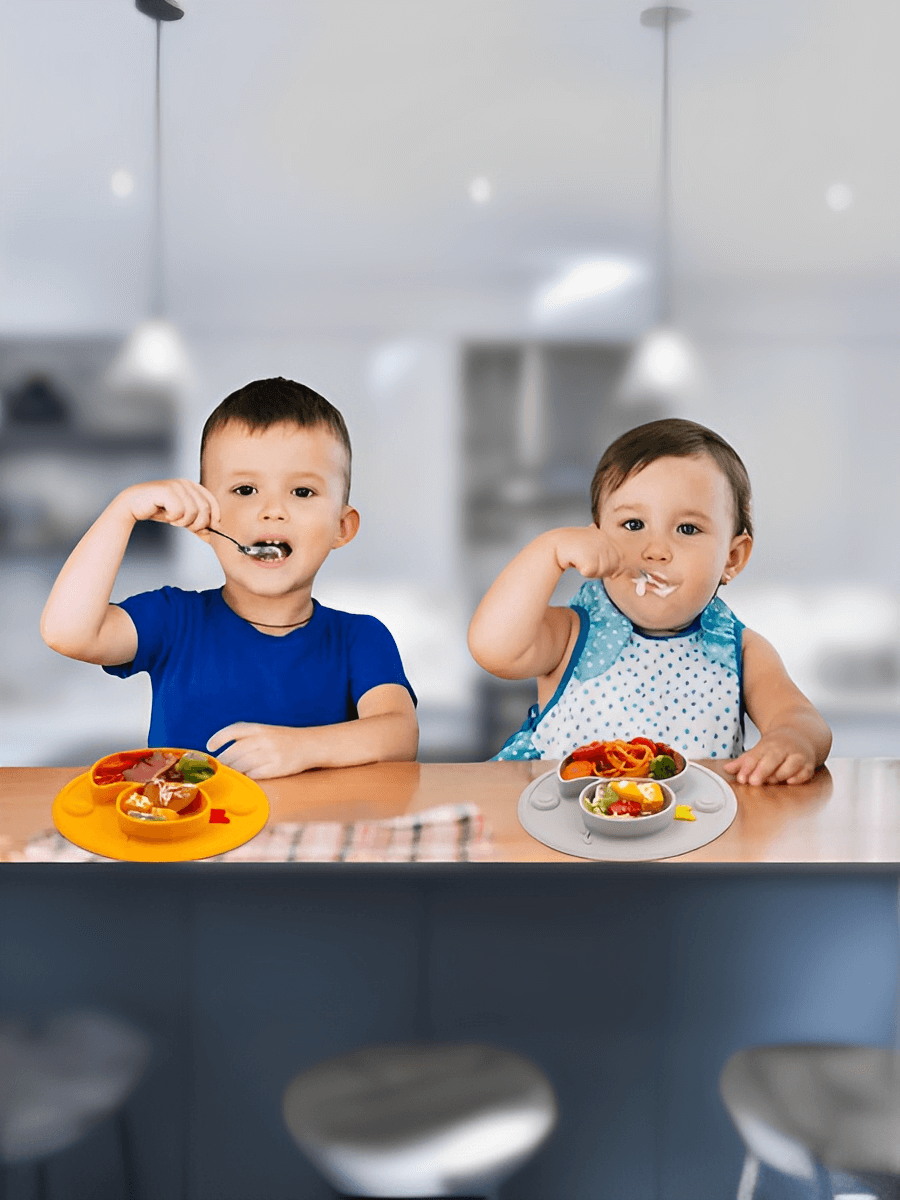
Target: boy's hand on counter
<point x="261" y="751"/>
<point x="588" y="551"/>
<point x="780" y="756"/>
<point x="178" y="502"/>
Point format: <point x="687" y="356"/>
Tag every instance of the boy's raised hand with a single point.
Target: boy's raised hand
<point x="178" y="502"/>
<point x="589" y="551"/>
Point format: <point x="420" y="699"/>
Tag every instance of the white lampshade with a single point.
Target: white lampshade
<point x="153" y="359"/>
<point x="664" y="366"/>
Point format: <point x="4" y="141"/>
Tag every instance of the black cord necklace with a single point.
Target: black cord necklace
<point x="269" y="625"/>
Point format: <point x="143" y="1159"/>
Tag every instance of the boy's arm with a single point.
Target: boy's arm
<point x="515" y="633"/>
<point x="794" y="739"/>
<point x="386" y="731"/>
<point x="78" y="619"/>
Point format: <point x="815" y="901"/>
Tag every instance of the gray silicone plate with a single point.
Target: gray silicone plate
<point x="559" y="825"/>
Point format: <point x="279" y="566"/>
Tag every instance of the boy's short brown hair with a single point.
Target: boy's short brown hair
<point x="267" y="402"/>
<point x="672" y="437"/>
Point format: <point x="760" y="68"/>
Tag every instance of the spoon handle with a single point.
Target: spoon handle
<point x="224" y="535"/>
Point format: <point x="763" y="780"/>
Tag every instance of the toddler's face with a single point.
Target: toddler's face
<point x="675" y="520"/>
<point x="283" y="484"/>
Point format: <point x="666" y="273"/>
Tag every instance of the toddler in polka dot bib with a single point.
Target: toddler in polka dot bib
<point x="646" y="648"/>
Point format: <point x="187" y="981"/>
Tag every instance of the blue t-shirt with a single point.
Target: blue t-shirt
<point x="209" y="667"/>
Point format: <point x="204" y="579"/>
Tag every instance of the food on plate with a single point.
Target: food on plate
<point x="624" y="798"/>
<point x="173" y="796"/>
<point x="158" y="800"/>
<point x="639" y="758"/>
<point x="145" y="766"/>
<point x="684" y="812"/>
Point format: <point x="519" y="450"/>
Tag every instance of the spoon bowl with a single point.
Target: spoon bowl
<point x="272" y="553"/>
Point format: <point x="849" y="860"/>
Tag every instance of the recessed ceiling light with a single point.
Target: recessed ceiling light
<point x="838" y="197"/>
<point x="585" y="281"/>
<point x="121" y="183"/>
<point x="480" y="190"/>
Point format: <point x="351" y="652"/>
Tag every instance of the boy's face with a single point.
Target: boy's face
<point x="673" y="519"/>
<point x="282" y="484"/>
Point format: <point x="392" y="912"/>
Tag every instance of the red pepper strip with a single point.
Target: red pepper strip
<point x="642" y="741"/>
<point x="626" y="808"/>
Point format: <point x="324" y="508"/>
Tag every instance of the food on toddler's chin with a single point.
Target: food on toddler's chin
<point x="624" y="798"/>
<point x="639" y="758"/>
<point x="144" y="766"/>
<point x="684" y="812"/>
<point x="656" y="582"/>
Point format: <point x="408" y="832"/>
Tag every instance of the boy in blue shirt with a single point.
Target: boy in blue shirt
<point x="258" y="667"/>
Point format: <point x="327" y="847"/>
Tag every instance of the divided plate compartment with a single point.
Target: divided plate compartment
<point x="555" y="820"/>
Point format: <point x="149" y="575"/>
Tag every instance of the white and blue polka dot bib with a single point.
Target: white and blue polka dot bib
<point x="684" y="689"/>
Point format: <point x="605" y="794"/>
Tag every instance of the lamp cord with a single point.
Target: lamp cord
<point x="157" y="295"/>
<point x="665" y="183"/>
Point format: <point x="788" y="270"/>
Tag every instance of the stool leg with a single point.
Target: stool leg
<point x="125" y="1153"/>
<point x="749" y="1177"/>
<point x="40" y="1174"/>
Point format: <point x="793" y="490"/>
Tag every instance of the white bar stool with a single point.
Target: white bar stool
<point x="828" y="1115"/>
<point x="60" y="1079"/>
<point x="420" y="1120"/>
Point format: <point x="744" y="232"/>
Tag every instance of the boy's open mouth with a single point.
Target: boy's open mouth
<point x="271" y="551"/>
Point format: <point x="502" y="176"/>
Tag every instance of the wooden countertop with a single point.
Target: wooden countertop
<point x="849" y="813"/>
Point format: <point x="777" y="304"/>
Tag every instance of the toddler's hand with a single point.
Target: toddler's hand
<point x="589" y="551"/>
<point x="173" y="501"/>
<point x="261" y="751"/>
<point x="780" y="756"/>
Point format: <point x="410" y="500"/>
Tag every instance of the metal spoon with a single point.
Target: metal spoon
<point x="263" y="553"/>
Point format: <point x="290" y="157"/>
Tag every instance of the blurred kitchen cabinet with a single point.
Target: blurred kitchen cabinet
<point x="68" y="445"/>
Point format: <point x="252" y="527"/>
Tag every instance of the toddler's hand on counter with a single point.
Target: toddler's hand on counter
<point x="780" y="756"/>
<point x="261" y="751"/>
<point x="589" y="551"/>
<point x="178" y="502"/>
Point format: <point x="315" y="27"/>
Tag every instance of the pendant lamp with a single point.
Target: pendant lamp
<point x="663" y="366"/>
<point x="153" y="358"/>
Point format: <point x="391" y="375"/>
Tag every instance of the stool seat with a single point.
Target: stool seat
<point x="59" y="1080"/>
<point x="432" y="1119"/>
<point x="798" y="1106"/>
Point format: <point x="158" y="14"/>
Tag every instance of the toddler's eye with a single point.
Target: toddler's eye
<point x="633" y="524"/>
<point x="302" y="492"/>
<point x="688" y="528"/>
<point x="244" y="489"/>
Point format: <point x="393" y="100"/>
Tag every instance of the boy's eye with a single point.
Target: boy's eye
<point x="244" y="489"/>
<point x="633" y="524"/>
<point x="302" y="492"/>
<point x="688" y="528"/>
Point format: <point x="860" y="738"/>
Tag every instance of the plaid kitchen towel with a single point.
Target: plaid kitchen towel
<point x="449" y="833"/>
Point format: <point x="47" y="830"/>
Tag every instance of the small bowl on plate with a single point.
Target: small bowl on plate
<point x="626" y="826"/>
<point x="194" y="819"/>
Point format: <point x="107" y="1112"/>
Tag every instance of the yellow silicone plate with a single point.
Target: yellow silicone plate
<point x="96" y="827"/>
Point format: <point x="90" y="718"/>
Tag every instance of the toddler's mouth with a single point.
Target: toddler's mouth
<point x="271" y="551"/>
<point x="657" y="583"/>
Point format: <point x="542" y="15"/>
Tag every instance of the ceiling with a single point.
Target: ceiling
<point x="319" y="155"/>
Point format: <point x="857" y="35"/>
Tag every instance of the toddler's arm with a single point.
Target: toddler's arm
<point x="515" y="633"/>
<point x="78" y="619"/>
<point x="794" y="739"/>
<point x="387" y="731"/>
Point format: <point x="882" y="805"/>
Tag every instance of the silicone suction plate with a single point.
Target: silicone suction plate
<point x="235" y="810"/>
